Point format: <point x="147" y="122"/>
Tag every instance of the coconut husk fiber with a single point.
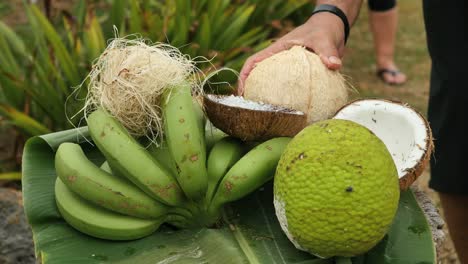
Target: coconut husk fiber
<point x="129" y="78"/>
<point x="297" y="79"/>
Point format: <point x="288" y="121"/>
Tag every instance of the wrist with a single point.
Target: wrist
<point x="338" y="13"/>
<point x="330" y="24"/>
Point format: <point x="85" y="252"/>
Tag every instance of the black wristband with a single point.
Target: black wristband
<point x="336" y="11"/>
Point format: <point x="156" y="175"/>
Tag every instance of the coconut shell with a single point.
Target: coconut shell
<point x="254" y="125"/>
<point x="414" y="172"/>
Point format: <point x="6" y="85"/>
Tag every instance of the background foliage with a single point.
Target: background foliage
<point x="44" y="60"/>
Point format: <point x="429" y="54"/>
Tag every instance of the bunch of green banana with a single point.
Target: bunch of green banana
<point x="138" y="188"/>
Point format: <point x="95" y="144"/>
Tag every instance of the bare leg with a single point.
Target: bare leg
<point x="456" y="215"/>
<point x="384" y="28"/>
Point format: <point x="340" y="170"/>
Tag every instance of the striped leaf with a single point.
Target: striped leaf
<point x="204" y="34"/>
<point x="16" y="43"/>
<point x="65" y="60"/>
<point x="135" y="19"/>
<point x="10" y="176"/>
<point x="117" y="14"/>
<point x="240" y="18"/>
<point x="22" y="121"/>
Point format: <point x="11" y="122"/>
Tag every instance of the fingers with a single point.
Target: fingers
<point x="246" y="69"/>
<point x="329" y="54"/>
<point x="332" y="62"/>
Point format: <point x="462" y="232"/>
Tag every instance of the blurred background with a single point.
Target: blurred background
<point x="47" y="47"/>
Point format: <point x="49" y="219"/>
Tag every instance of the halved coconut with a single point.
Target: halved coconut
<point x="405" y="132"/>
<point x="252" y="121"/>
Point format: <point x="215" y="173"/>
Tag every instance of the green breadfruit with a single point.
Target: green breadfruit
<point x="336" y="189"/>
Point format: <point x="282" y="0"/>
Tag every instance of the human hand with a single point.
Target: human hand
<point x="323" y="34"/>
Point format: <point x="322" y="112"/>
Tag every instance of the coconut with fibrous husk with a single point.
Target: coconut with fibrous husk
<point x="297" y="79"/>
<point x="252" y="121"/>
<point x="405" y="132"/>
<point x="129" y="78"/>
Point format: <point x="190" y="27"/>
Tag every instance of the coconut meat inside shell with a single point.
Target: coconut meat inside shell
<point x="403" y="130"/>
<point x="241" y="102"/>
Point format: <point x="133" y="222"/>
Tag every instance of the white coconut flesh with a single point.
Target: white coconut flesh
<point x="241" y="102"/>
<point x="404" y="131"/>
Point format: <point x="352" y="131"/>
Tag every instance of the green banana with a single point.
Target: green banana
<point x="128" y="158"/>
<point x="105" y="167"/>
<point x="101" y="188"/>
<point x="225" y="153"/>
<point x="99" y="222"/>
<point x="198" y="109"/>
<point x="250" y="172"/>
<point x="162" y="154"/>
<point x="212" y="135"/>
<point x="186" y="141"/>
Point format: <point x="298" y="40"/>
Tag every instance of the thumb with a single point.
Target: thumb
<point x="329" y="54"/>
<point x="258" y="57"/>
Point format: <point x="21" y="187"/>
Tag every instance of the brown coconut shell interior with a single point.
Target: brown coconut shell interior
<point x="253" y="125"/>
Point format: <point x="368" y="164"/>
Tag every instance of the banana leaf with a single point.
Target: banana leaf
<point x="250" y="233"/>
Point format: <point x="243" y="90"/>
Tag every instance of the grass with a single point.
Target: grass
<point x="411" y="57"/>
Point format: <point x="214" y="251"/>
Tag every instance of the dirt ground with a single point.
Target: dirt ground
<point x="411" y="56"/>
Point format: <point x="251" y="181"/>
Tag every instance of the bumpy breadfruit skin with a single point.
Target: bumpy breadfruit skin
<point x="336" y="189"/>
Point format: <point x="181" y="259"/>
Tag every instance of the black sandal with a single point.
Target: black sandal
<point x="381" y="72"/>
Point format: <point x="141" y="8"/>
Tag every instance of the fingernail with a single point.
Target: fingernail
<point x="334" y="60"/>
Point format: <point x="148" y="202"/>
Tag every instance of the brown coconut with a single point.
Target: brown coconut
<point x="297" y="79"/>
<point x="404" y="131"/>
<point x="253" y="124"/>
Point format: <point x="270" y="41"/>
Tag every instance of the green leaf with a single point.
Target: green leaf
<point x="10" y="176"/>
<point x="80" y="12"/>
<point x="204" y="34"/>
<point x="250" y="233"/>
<point x="181" y="24"/>
<point x="233" y="31"/>
<point x="199" y="6"/>
<point x="409" y="239"/>
<point x="46" y="95"/>
<point x="288" y="7"/>
<point x="218" y="15"/>
<point x="93" y="38"/>
<point x="14" y="40"/>
<point x="23" y="121"/>
<point x="10" y="90"/>
<point x="7" y="59"/>
<point x="63" y="56"/>
<point x="117" y="13"/>
<point x="251" y="36"/>
<point x="135" y="19"/>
